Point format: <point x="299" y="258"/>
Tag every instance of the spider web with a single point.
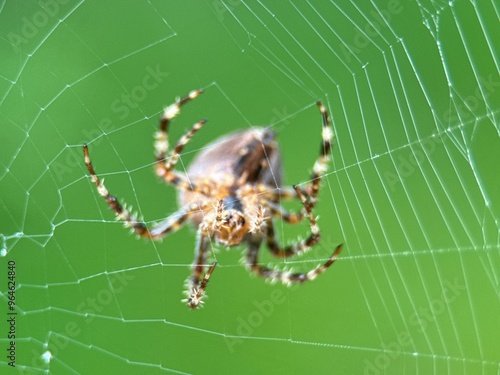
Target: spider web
<point x="412" y="191"/>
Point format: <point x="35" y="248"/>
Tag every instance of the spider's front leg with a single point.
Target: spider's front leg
<point x="321" y="165"/>
<point x="319" y="169"/>
<point x="160" y="230"/>
<point x="164" y="165"/>
<point x="197" y="283"/>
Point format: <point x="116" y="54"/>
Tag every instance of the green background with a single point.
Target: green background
<point x="412" y="190"/>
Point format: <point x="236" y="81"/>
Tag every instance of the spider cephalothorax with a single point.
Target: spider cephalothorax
<point x="231" y="193"/>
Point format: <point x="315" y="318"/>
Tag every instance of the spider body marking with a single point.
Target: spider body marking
<point x="230" y="193"/>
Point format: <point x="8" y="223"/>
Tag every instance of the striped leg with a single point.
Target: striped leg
<point x="298" y="247"/>
<point x="289" y="217"/>
<point x="158" y="231"/>
<point x="260" y="221"/>
<point x="319" y="169"/>
<point x="196" y="284"/>
<point x="163" y="166"/>
<point x="288" y="277"/>
<point x="321" y="164"/>
<point x="219" y="216"/>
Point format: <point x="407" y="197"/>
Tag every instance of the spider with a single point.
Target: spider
<point x="230" y="193"/>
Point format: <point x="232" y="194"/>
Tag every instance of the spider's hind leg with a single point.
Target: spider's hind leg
<point x="300" y="246"/>
<point x="288" y="277"/>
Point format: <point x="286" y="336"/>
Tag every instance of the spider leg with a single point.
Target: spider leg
<point x="171" y="223"/>
<point x="282" y="252"/>
<point x="158" y="231"/>
<point x="196" y="284"/>
<point x="321" y="164"/>
<point x="299" y="247"/>
<point x="319" y="169"/>
<point x="281" y="193"/>
<point x="285" y="215"/>
<point x="286" y="277"/>
<point x="164" y="167"/>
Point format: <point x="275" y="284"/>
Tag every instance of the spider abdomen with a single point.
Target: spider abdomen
<point x="253" y="154"/>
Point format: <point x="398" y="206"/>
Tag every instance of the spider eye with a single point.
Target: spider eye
<point x="234" y="221"/>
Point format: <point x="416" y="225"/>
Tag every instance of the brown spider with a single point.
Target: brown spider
<point x="230" y="193"/>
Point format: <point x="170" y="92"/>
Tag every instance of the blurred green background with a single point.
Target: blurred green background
<point x="412" y="192"/>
